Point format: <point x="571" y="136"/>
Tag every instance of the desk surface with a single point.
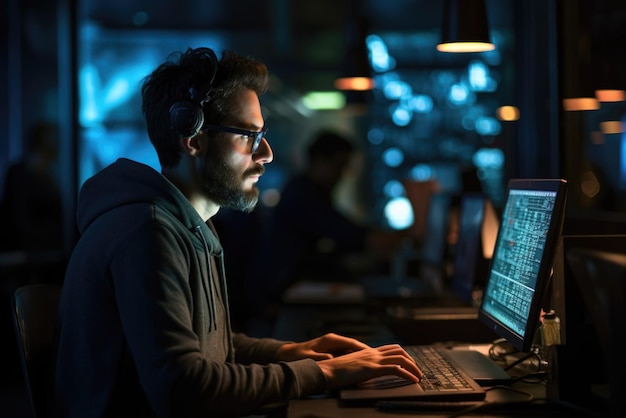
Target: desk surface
<point x="301" y="322"/>
<point x="522" y="398"/>
<point x="329" y="407"/>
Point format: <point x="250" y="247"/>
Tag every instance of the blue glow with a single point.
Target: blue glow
<point x="478" y="75"/>
<point x="458" y="94"/>
<point x="89" y="79"/>
<point x="399" y="213"/>
<point x="397" y="89"/>
<point x="394" y="188"/>
<point x="393" y="157"/>
<point x="102" y="146"/>
<point x="422" y="172"/>
<point x="380" y="59"/>
<point x="108" y="151"/>
<point x="381" y="80"/>
<point x="489" y="158"/>
<point x="376" y="136"/>
<point x="421" y="103"/>
<point x="401" y="115"/>
<point x="468" y="122"/>
<point x="98" y="100"/>
<point x="486" y="125"/>
<point x="445" y="77"/>
<point x="118" y="92"/>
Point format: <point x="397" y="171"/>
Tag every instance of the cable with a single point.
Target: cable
<point x="501" y="356"/>
<point x="523" y="359"/>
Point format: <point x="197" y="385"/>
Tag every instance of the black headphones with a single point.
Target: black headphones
<point x="187" y="116"/>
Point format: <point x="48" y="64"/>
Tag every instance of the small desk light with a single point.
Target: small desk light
<point x="465" y="27"/>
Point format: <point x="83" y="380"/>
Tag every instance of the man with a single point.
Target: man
<point x="310" y="235"/>
<point x="144" y="324"/>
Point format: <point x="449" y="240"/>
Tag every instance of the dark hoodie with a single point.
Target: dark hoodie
<point x="143" y="324"/>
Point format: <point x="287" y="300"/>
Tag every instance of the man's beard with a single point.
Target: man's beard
<point x="221" y="184"/>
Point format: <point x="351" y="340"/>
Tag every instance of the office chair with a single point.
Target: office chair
<point x="34" y="311"/>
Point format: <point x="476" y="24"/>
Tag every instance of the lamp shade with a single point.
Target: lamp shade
<point x="580" y="94"/>
<point x="608" y="71"/>
<point x="356" y="70"/>
<point x="578" y="84"/>
<point x="465" y="27"/>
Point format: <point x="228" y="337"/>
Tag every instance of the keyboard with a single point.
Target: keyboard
<point x="439" y="374"/>
<point x="443" y="381"/>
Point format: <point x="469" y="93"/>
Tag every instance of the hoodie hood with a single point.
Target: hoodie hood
<point x="127" y="182"/>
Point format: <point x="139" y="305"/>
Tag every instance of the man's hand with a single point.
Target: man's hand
<point x="322" y="348"/>
<point x="368" y="363"/>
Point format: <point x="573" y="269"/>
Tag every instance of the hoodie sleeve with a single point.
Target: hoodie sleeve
<point x="255" y="350"/>
<point x="150" y="277"/>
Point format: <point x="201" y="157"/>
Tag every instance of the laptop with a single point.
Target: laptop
<point x="515" y="290"/>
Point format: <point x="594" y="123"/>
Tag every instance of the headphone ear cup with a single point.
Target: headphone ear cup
<point x="186" y="119"/>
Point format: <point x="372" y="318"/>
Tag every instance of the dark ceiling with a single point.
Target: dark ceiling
<point x="304" y="42"/>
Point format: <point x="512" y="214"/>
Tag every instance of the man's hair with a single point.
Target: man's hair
<point x="172" y="80"/>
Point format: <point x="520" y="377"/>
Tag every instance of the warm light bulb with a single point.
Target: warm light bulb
<point x="612" y="127"/>
<point x="354" y="83"/>
<point x="581" y="103"/>
<point x="508" y="113"/>
<point x="610" y="95"/>
<point x="466" y="47"/>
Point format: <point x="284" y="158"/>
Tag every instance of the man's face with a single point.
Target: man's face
<point x="229" y="169"/>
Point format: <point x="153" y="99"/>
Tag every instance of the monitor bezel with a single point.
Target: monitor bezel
<point x="524" y="343"/>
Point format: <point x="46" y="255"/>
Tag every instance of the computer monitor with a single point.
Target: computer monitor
<point x="521" y="266"/>
<point x="477" y="231"/>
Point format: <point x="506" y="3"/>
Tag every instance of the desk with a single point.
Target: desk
<point x="329" y="407"/>
<point x="303" y="321"/>
<point x="311" y="309"/>
<point x="516" y="398"/>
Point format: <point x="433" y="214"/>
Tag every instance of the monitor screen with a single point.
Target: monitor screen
<point x="478" y="226"/>
<point x="521" y="265"/>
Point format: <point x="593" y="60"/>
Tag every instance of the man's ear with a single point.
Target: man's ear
<point x="191" y="146"/>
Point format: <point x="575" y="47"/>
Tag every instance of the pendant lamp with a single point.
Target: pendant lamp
<point x="465" y="27"/>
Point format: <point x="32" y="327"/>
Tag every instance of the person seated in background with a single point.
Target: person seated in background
<point x="308" y="237"/>
<point x="144" y="324"/>
<point x="31" y="211"/>
<point x="307" y="229"/>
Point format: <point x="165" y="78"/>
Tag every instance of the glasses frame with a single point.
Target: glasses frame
<point x="258" y="136"/>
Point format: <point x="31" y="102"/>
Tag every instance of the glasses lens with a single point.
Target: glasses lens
<point x="257" y="141"/>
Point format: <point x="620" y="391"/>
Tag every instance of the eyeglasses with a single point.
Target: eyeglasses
<point x="258" y="136"/>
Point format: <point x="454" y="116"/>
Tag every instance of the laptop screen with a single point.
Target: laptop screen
<point x="521" y="266"/>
